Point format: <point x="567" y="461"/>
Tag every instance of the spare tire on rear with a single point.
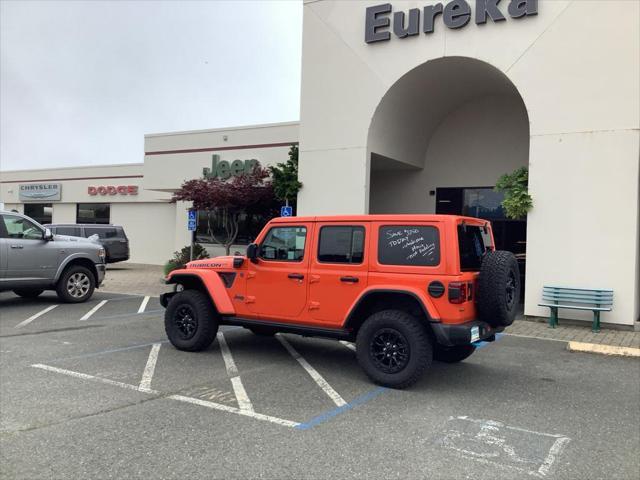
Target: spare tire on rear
<point x="498" y="292"/>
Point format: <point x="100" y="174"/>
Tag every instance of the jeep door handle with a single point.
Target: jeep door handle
<point x="296" y="276"/>
<point x="17" y="246"/>
<point x="349" y="279"/>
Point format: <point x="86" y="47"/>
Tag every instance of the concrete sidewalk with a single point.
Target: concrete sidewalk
<point x="136" y="278"/>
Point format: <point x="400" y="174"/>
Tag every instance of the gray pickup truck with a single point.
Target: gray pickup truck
<point x="32" y="260"/>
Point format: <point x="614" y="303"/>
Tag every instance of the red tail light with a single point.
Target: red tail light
<point x="458" y="292"/>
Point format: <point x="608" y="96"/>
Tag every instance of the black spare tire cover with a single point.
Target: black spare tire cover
<point x="498" y="294"/>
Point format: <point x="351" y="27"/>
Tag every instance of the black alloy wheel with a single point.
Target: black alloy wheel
<point x="389" y="350"/>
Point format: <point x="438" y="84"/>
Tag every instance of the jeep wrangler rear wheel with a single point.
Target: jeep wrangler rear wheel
<point x="190" y="321"/>
<point x="453" y="354"/>
<point x="393" y="348"/>
<point x="498" y="292"/>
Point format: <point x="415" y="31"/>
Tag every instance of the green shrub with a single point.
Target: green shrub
<point x="517" y="201"/>
<point x="181" y="258"/>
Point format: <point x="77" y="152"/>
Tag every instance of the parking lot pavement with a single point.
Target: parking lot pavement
<point x="108" y="397"/>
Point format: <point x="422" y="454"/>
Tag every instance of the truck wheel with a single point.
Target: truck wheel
<point x="453" y="354"/>
<point x="190" y="321"/>
<point x="393" y="348"/>
<point x="27" y="293"/>
<point x="498" y="292"/>
<point x="76" y="284"/>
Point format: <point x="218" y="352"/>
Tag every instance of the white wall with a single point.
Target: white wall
<point x="149" y="227"/>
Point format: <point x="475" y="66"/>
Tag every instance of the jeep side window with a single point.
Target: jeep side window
<point x="341" y="244"/>
<point x="18" y="227"/>
<point x="284" y="244"/>
<point x="411" y="245"/>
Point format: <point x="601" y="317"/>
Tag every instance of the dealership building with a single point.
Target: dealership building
<point x="419" y="107"/>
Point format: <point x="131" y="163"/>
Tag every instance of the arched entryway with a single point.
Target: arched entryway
<point x="441" y="137"/>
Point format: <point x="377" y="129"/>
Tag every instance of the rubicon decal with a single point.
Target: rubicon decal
<point x="455" y="14"/>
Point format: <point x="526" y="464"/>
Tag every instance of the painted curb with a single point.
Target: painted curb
<point x="603" y="349"/>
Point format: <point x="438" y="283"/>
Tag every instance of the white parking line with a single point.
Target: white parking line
<point x="349" y="345"/>
<point x="93" y="310"/>
<point x="313" y="373"/>
<point x="93" y="378"/>
<point x="33" y="317"/>
<point x="147" y="375"/>
<point x="241" y="394"/>
<point x="225" y="408"/>
<point x="143" y="305"/>
<point x="181" y="398"/>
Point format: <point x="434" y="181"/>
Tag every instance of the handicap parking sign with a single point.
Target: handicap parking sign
<point x="192" y="215"/>
<point x="286" y="211"/>
<point x="191" y="225"/>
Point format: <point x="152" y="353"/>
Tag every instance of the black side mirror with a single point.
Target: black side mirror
<point x="252" y="252"/>
<point x="48" y="236"/>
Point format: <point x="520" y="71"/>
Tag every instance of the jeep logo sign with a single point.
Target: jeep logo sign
<point x="224" y="170"/>
<point x="455" y="14"/>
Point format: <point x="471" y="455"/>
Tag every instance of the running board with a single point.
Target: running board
<point x="305" y="331"/>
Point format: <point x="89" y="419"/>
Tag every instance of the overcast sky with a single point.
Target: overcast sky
<point x="83" y="81"/>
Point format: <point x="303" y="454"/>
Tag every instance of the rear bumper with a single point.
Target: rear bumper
<point x="101" y="268"/>
<point x="461" y="334"/>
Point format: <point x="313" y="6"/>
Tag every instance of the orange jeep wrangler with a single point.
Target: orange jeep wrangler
<point x="406" y="288"/>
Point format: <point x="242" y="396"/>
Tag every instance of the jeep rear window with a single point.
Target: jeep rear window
<point x="472" y="243"/>
<point x="409" y="245"/>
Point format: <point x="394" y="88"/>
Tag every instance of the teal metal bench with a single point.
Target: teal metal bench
<point x="576" y="299"/>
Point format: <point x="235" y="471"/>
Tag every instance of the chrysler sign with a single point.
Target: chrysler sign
<point x="40" y="192"/>
<point x="455" y="14"/>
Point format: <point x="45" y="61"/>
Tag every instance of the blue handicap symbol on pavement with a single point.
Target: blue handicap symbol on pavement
<point x="286" y="211"/>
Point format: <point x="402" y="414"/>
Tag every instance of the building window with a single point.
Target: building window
<point x="40" y="212"/>
<point x="210" y="227"/>
<point x="93" y="213"/>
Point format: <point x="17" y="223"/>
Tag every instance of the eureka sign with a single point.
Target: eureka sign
<point x="223" y="169"/>
<point x="455" y="14"/>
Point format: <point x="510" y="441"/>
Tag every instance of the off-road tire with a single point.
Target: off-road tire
<point x="28" y="292"/>
<point x="190" y="321"/>
<point x="453" y="354"/>
<point x="411" y="330"/>
<point x="84" y="275"/>
<point x="263" y="331"/>
<point x="498" y="292"/>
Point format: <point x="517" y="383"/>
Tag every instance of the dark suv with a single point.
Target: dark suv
<point x="112" y="237"/>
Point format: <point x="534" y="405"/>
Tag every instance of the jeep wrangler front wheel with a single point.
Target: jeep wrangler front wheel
<point x="190" y="321"/>
<point x="393" y="348"/>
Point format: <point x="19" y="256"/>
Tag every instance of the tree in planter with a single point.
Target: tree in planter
<point x="228" y="200"/>
<point x="285" y="177"/>
<point x="515" y="186"/>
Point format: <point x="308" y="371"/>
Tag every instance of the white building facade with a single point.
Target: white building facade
<point x="419" y="107"/>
